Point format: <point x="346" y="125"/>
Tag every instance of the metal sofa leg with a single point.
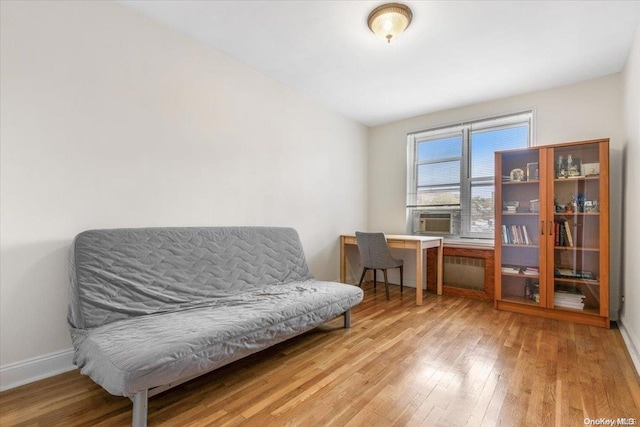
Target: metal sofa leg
<point x="347" y="318"/>
<point x="140" y="409"/>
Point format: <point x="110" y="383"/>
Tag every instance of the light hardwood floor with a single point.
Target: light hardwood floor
<point x="452" y="361"/>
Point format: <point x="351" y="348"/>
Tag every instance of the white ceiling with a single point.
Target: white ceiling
<point x="454" y="53"/>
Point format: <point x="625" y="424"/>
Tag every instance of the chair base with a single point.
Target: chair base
<point x="386" y="282"/>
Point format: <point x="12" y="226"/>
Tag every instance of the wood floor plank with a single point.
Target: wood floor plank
<point x="451" y="361"/>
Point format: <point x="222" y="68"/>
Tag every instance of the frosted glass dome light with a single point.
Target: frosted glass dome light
<point x="389" y="20"/>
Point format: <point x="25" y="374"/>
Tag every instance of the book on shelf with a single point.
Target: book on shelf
<point x="532" y="290"/>
<point x="568" y="299"/>
<point x="519" y="269"/>
<point x="578" y="306"/>
<point x="516" y="235"/>
<point x="574" y="274"/>
<point x="562" y="234"/>
<point x="567" y="229"/>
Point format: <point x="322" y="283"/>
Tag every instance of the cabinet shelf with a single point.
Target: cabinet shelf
<point x="522" y="276"/>
<point x="574" y="214"/>
<point x="590" y="311"/>
<point x="578" y="179"/>
<point x="521" y="300"/>
<point x="576" y="248"/>
<point x="572" y="245"/>
<point x="576" y="281"/>
<point x="530" y="302"/>
<point x="520" y="182"/>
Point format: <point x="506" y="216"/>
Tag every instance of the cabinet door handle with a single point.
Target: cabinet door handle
<point x="542" y="228"/>
<point x="550" y="229"/>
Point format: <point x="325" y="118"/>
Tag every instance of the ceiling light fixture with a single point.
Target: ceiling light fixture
<point x="389" y="20"/>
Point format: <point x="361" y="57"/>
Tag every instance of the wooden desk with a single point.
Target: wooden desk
<point x="417" y="243"/>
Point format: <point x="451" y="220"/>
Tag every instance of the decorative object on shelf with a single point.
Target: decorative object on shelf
<point x="534" y="205"/>
<point x="569" y="168"/>
<point x="389" y="20"/>
<point x="580" y="202"/>
<point x="510" y="206"/>
<point x="561" y="171"/>
<point x="573" y="166"/>
<point x="590" y="206"/>
<point x="570" y="207"/>
<point x="532" y="291"/>
<point x="590" y="169"/>
<point x="532" y="172"/>
<point x="516" y="175"/>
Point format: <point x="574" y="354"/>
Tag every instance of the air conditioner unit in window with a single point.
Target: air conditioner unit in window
<point x="439" y="223"/>
<point x="436" y="222"/>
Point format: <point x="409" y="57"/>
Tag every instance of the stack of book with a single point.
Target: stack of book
<point x="568" y="300"/>
<point x="527" y="271"/>
<point x="516" y="235"/>
<point x="562" y="232"/>
<point x="511" y="269"/>
<point x="574" y="274"/>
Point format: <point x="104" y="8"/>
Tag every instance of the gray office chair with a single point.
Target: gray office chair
<point x="375" y="255"/>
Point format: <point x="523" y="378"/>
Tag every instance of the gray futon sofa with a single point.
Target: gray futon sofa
<point x="151" y="308"/>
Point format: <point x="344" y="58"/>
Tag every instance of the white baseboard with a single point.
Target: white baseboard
<point x="628" y="337"/>
<point x="30" y="370"/>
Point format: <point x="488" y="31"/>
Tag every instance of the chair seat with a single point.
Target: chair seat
<point x="395" y="263"/>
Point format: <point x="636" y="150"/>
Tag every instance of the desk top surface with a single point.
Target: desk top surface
<point x="406" y="237"/>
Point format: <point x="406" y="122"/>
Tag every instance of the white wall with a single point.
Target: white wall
<point x="587" y="110"/>
<point x="112" y="120"/>
<point x="630" y="315"/>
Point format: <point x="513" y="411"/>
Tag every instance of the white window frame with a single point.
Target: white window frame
<point x="466" y="182"/>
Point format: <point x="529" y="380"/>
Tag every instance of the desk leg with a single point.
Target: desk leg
<point x="440" y="271"/>
<point x="419" y="270"/>
<point x="343" y="261"/>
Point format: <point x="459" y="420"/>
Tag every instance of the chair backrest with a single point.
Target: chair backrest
<point x="374" y="251"/>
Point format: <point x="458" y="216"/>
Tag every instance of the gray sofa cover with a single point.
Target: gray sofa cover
<point x="150" y="308"/>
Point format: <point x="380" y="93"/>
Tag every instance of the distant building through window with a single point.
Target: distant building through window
<point x="450" y="173"/>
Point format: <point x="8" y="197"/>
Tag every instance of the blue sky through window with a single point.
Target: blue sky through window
<point x="485" y="143"/>
<point x="440" y="149"/>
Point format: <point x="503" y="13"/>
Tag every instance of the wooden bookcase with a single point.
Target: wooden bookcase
<point x="552" y="231"/>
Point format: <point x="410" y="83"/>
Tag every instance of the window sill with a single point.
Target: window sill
<point x="456" y="242"/>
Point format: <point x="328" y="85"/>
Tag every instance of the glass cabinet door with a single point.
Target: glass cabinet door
<point x="519" y="234"/>
<point x="575" y="230"/>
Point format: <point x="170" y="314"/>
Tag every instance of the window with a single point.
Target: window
<point x="451" y="170"/>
